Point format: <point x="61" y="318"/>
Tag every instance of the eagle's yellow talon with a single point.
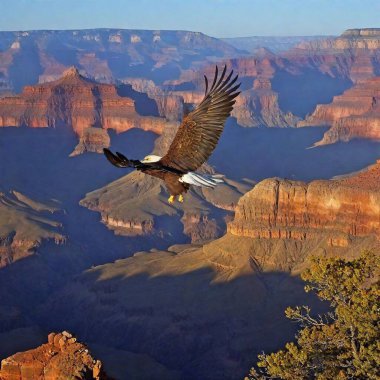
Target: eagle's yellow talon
<point x="171" y="199"/>
<point x="180" y="198"/>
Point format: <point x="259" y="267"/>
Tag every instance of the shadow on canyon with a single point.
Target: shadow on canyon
<point x="259" y="153"/>
<point x="301" y="93"/>
<point x="201" y="329"/>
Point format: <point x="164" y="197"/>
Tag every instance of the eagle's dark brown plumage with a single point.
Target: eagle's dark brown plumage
<point x="195" y="140"/>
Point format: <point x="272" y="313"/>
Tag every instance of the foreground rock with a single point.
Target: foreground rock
<point x="354" y="114"/>
<point x="61" y="358"/>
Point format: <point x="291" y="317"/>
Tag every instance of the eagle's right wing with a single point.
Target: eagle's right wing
<point x="200" y="130"/>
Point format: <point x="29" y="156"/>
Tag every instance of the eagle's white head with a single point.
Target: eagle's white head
<point x="151" y="158"/>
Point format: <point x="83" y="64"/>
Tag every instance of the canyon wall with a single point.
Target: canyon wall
<point x="336" y="210"/>
<point x="78" y="102"/>
<point x="354" y="114"/>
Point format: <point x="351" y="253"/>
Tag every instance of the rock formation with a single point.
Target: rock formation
<point x="24" y="224"/>
<point x="61" y="358"/>
<point x="137" y="205"/>
<point x="354" y="114"/>
<point x="337" y="211"/>
<point x="79" y="102"/>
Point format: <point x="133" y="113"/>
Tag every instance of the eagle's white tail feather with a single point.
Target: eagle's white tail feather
<point x="204" y="180"/>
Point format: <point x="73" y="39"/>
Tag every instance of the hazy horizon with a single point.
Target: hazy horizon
<point x="216" y="18"/>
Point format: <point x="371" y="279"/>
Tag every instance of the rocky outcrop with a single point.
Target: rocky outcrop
<point x="79" y="102"/>
<point x="24" y="225"/>
<point x="354" y="114"/>
<point x="137" y="205"/>
<point x="336" y="210"/>
<point x="61" y="358"/>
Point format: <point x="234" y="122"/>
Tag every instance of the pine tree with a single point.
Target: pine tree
<point x="342" y="344"/>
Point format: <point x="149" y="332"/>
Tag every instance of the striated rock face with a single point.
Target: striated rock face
<point x="336" y="210"/>
<point x="354" y="114"/>
<point x="24" y="224"/>
<point x="61" y="358"/>
<point x="355" y="53"/>
<point x="366" y="38"/>
<point x="79" y="102"/>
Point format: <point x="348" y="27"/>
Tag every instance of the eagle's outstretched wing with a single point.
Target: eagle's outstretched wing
<point x="200" y="130"/>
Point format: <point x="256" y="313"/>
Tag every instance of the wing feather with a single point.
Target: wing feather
<point x="200" y="130"/>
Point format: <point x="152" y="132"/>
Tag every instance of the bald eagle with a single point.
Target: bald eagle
<point x="194" y="142"/>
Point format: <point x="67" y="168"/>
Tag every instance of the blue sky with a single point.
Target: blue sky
<point x="219" y="18"/>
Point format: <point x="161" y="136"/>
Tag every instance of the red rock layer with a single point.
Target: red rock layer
<point x="354" y="114"/>
<point x="76" y="101"/>
<point x="336" y="209"/>
<point x="61" y="358"/>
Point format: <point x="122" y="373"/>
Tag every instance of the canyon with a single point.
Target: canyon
<point x="182" y="291"/>
<point x="242" y="279"/>
<point x="354" y="114"/>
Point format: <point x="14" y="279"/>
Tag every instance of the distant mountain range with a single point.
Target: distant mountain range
<point x="276" y="44"/>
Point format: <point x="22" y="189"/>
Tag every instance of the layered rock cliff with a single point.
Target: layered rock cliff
<point x="79" y="102"/>
<point x="355" y="53"/>
<point x="61" y="358"/>
<point x="24" y="225"/>
<point x="337" y="211"/>
<point x="354" y="114"/>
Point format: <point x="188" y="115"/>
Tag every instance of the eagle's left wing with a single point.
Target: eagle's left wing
<point x="200" y="130"/>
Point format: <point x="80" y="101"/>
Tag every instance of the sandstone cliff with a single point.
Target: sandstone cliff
<point x="335" y="211"/>
<point x="79" y="102"/>
<point x="24" y="224"/>
<point x="61" y="358"/>
<point x="354" y="114"/>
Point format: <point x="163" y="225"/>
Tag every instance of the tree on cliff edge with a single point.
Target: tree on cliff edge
<point x="343" y="344"/>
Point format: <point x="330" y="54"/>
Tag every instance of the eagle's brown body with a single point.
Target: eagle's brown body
<point x="174" y="186"/>
<point x="194" y="142"/>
